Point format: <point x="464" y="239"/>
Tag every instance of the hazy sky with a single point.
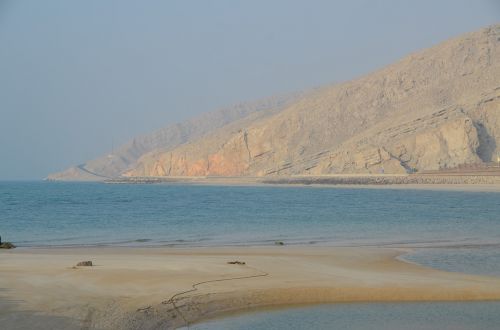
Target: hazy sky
<point x="77" y="75"/>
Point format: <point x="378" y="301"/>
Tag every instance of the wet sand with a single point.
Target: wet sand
<point x="132" y="288"/>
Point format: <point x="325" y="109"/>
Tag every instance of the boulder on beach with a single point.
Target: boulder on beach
<point x="7" y="245"/>
<point x="84" y="264"/>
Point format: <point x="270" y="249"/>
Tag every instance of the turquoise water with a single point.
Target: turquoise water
<point x="381" y="316"/>
<point x="479" y="259"/>
<point x="450" y="230"/>
<point x="455" y="231"/>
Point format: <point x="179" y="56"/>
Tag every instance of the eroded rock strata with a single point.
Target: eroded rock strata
<point x="435" y="109"/>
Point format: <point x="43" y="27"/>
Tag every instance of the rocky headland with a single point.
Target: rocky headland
<point x="434" y="110"/>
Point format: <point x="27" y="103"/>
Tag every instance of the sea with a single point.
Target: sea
<point x="450" y="230"/>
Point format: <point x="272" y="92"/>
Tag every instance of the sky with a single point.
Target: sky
<point x="77" y="77"/>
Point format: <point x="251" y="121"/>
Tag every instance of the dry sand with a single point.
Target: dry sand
<point x="131" y="288"/>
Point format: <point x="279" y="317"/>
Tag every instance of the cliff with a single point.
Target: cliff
<point x="435" y="109"/>
<point x="125" y="157"/>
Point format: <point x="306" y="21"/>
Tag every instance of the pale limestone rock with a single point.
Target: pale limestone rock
<point x="437" y="108"/>
<point x="125" y="157"/>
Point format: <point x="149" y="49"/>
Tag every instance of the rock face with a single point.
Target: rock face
<point x="126" y="156"/>
<point x="435" y="109"/>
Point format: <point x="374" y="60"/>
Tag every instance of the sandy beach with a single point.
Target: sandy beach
<point x="152" y="288"/>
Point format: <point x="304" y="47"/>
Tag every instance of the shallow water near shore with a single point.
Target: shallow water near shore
<point x="480" y="260"/>
<point x="380" y="316"/>
<point x="451" y="230"/>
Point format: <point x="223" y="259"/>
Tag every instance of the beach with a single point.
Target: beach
<point x="131" y="288"/>
<point x="169" y="255"/>
<point x="250" y="166"/>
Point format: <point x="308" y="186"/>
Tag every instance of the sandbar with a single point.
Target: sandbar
<point x="166" y="288"/>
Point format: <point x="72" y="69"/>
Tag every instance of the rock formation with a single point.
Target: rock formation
<point x="126" y="156"/>
<point x="435" y="109"/>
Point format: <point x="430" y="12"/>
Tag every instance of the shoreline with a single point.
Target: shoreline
<point x="131" y="286"/>
<point x="306" y="243"/>
<point x="445" y="182"/>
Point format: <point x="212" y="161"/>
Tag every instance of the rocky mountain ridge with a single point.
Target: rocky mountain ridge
<point x="435" y="109"/>
<point x="125" y="157"/>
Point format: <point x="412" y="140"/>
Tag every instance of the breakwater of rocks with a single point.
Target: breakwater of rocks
<point x="319" y="180"/>
<point x="387" y="180"/>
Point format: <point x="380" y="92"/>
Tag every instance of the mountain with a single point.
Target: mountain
<point x="125" y="157"/>
<point x="435" y="109"/>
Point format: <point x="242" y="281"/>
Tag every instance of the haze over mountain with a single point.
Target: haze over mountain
<point x="126" y="156"/>
<point x="435" y="109"/>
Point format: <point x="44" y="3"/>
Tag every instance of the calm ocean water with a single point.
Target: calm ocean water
<point x="359" y="316"/>
<point x="455" y="231"/>
<point x="450" y="230"/>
